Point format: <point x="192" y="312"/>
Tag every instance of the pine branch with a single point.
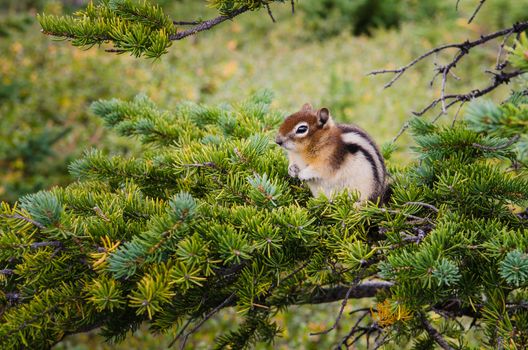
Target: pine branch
<point x="437" y="337"/>
<point x="206" y="25"/>
<point x="21" y="217"/>
<point x="414" y="217"/>
<point x="46" y="244"/>
<point x="186" y="23"/>
<point x="510" y="142"/>
<point x="176" y="231"/>
<point x="427" y="205"/>
<point x="328" y="295"/>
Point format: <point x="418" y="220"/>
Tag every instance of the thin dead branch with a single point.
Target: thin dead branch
<point x="205" y="319"/>
<point x="448" y="100"/>
<point x="510" y="142"/>
<point x="427" y="205"/>
<point x="206" y="25"/>
<point x="476" y="11"/>
<point x="26" y="219"/>
<point x="435" y="335"/>
<point x="270" y="13"/>
<point x="339" y="315"/>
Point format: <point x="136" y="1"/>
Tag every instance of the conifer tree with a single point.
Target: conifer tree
<point x="139" y="27"/>
<point x="207" y="218"/>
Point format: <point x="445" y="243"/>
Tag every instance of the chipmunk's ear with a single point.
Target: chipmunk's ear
<point x="323" y="115"/>
<point x="307" y="107"/>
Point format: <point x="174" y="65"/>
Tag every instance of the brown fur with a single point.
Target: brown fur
<point x="303" y="115"/>
<point x="323" y="148"/>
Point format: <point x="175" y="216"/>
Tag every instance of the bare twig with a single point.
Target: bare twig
<point x="293" y="6"/>
<point x="21" y="217"/>
<point x="340" y="314"/>
<point x="270" y="13"/>
<point x="380" y="342"/>
<point x="115" y="50"/>
<point x="206" y="25"/>
<point x="437" y="337"/>
<point x="399" y="71"/>
<point x="180" y="332"/>
<point x="404" y="127"/>
<point x="445" y="70"/>
<point x="354" y="329"/>
<point x="476" y="11"/>
<point x="455" y="117"/>
<point x="45" y="244"/>
<point x="207" y="317"/>
<point x="200" y="165"/>
<point x="290" y="275"/>
<point x="427" y="205"/>
<point x="498" y="65"/>
<point x="186" y="23"/>
<point x="463" y="49"/>
<point x="328" y="295"/>
<point x="448" y="316"/>
<point x="498" y="79"/>
<point x="384" y="210"/>
<point x="101" y="214"/>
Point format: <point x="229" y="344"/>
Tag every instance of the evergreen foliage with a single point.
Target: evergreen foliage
<point x="207" y="218"/>
<point x="134" y="26"/>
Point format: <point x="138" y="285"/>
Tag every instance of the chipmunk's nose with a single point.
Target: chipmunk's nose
<point x="278" y="140"/>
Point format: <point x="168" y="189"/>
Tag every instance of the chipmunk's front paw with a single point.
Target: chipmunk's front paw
<point x="307" y="174"/>
<point x="293" y="170"/>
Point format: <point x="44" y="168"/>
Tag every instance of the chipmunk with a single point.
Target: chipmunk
<point x="332" y="157"/>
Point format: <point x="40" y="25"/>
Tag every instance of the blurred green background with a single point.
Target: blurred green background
<point x="321" y="54"/>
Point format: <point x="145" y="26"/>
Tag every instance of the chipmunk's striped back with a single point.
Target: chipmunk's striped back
<point x="356" y="140"/>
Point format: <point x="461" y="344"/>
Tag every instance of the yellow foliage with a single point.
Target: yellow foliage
<point x="387" y="315"/>
<point x="99" y="258"/>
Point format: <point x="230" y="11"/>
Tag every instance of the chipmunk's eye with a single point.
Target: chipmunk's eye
<point x="301" y="129"/>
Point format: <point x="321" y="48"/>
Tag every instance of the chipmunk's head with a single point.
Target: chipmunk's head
<point x="300" y="129"/>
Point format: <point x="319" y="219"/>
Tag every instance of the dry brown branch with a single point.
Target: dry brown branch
<point x="476" y="11"/>
<point x="437" y="337"/>
<point x="206" y="25"/>
<point x="26" y="219"/>
<point x="448" y="100"/>
<point x="510" y="142"/>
